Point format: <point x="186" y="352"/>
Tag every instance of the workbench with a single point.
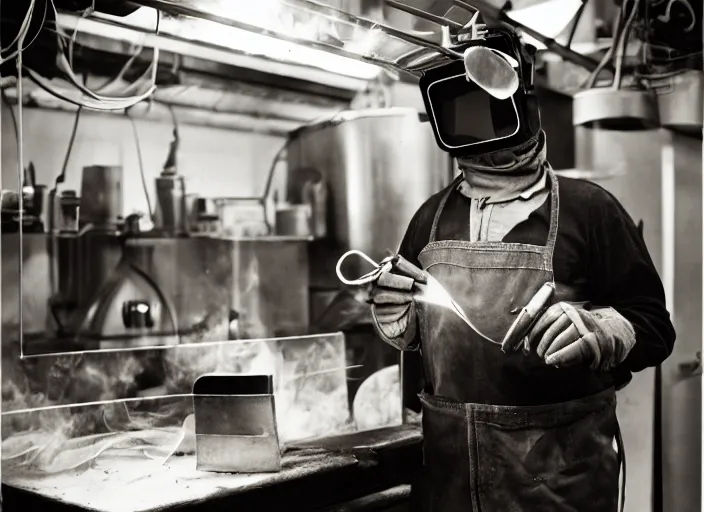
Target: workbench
<point x="317" y="475"/>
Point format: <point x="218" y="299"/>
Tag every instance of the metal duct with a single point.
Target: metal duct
<point x="380" y="166"/>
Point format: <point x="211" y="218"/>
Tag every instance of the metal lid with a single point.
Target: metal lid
<point x="615" y="109"/>
<point x="680" y="106"/>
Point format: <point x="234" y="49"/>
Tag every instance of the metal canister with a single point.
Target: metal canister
<point x="69" y="207"/>
<point x="315" y="194"/>
<point x="293" y="220"/>
<point x="192" y="211"/>
<point x="101" y="193"/>
<point x="171" y="211"/>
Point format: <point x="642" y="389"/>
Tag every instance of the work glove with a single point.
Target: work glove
<point x="393" y="312"/>
<point x="567" y="334"/>
<point x="394" y="309"/>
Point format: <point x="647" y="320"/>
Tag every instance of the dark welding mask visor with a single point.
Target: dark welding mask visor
<point x="470" y="118"/>
<point x="465" y="115"/>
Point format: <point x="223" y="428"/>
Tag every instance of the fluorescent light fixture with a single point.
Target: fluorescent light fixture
<point x="261" y="14"/>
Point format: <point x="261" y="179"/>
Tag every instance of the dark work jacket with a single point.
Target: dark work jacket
<point x="599" y="252"/>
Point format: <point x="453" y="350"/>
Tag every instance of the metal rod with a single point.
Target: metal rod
<point x="179" y="9"/>
<point x="473" y="10"/>
<point x="569" y="55"/>
<point x="413" y="62"/>
<point x="410" y="55"/>
<point x="419" y="41"/>
<point x="336" y="14"/>
<point x="420" y="13"/>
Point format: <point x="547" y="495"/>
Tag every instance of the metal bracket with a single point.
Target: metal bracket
<point x="692" y="368"/>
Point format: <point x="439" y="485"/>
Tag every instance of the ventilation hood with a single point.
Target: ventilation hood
<point x="279" y="64"/>
<point x="208" y="74"/>
<point x="407" y="35"/>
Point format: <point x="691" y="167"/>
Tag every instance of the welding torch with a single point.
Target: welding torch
<point x="408" y="284"/>
<point x="408" y="272"/>
<point x="520" y="327"/>
<point x="407" y="277"/>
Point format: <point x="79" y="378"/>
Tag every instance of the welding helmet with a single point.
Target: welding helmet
<point x="466" y="119"/>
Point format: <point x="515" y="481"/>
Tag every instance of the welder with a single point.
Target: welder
<point x="519" y="420"/>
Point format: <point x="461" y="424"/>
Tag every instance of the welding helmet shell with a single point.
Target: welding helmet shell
<point x="467" y="120"/>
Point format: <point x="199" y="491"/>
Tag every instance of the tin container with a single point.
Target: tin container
<point x="171" y="211"/>
<point x="236" y="424"/>
<point x="294" y="220"/>
<point x="101" y="196"/>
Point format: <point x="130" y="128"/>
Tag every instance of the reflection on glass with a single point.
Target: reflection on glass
<point x="62" y="379"/>
<point x="293" y="30"/>
<point x="121" y="315"/>
<point x="76" y="417"/>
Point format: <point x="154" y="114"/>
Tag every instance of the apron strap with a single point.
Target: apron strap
<point x="554" y="213"/>
<point x="554" y="216"/>
<point x="622" y="464"/>
<point x="455" y="183"/>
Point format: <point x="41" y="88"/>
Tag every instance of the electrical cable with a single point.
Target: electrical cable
<point x="72" y="139"/>
<point x="277" y="157"/>
<point x="36" y="35"/>
<point x="72" y="40"/>
<point x="172" y="157"/>
<point x="19" y="32"/>
<point x="123" y="70"/>
<point x="591" y="81"/>
<point x="623" y="45"/>
<point x="609" y="53"/>
<point x="67" y="68"/>
<point x="20" y="178"/>
<point x="41" y="26"/>
<point x="670" y="50"/>
<point x="140" y="161"/>
<point x="661" y="76"/>
<point x="86" y="102"/>
<point x="575" y="23"/>
<point x="91" y="99"/>
<point x="24" y="28"/>
<point x="48" y="90"/>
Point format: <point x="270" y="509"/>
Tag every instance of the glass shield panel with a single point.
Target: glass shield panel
<point x="146" y="274"/>
<point x="84" y="427"/>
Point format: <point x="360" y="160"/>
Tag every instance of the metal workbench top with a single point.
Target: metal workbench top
<point x="315" y="475"/>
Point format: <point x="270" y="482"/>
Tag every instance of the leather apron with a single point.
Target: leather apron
<point x="484" y="449"/>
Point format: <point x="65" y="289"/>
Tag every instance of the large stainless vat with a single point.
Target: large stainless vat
<point x="657" y="177"/>
<point x="380" y="166"/>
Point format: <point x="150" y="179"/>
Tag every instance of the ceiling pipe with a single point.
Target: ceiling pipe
<point x="491" y="14"/>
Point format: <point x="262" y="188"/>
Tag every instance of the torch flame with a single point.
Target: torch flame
<point x="434" y="293"/>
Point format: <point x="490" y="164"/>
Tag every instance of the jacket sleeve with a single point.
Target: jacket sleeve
<point x="409" y="340"/>
<point x="413" y="379"/>
<point x="622" y="276"/>
<point x="415" y="239"/>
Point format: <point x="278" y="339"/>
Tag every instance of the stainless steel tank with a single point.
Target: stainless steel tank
<point x="379" y="165"/>
<point x="657" y="177"/>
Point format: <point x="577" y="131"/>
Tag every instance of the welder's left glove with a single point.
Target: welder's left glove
<point x="568" y="334"/>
